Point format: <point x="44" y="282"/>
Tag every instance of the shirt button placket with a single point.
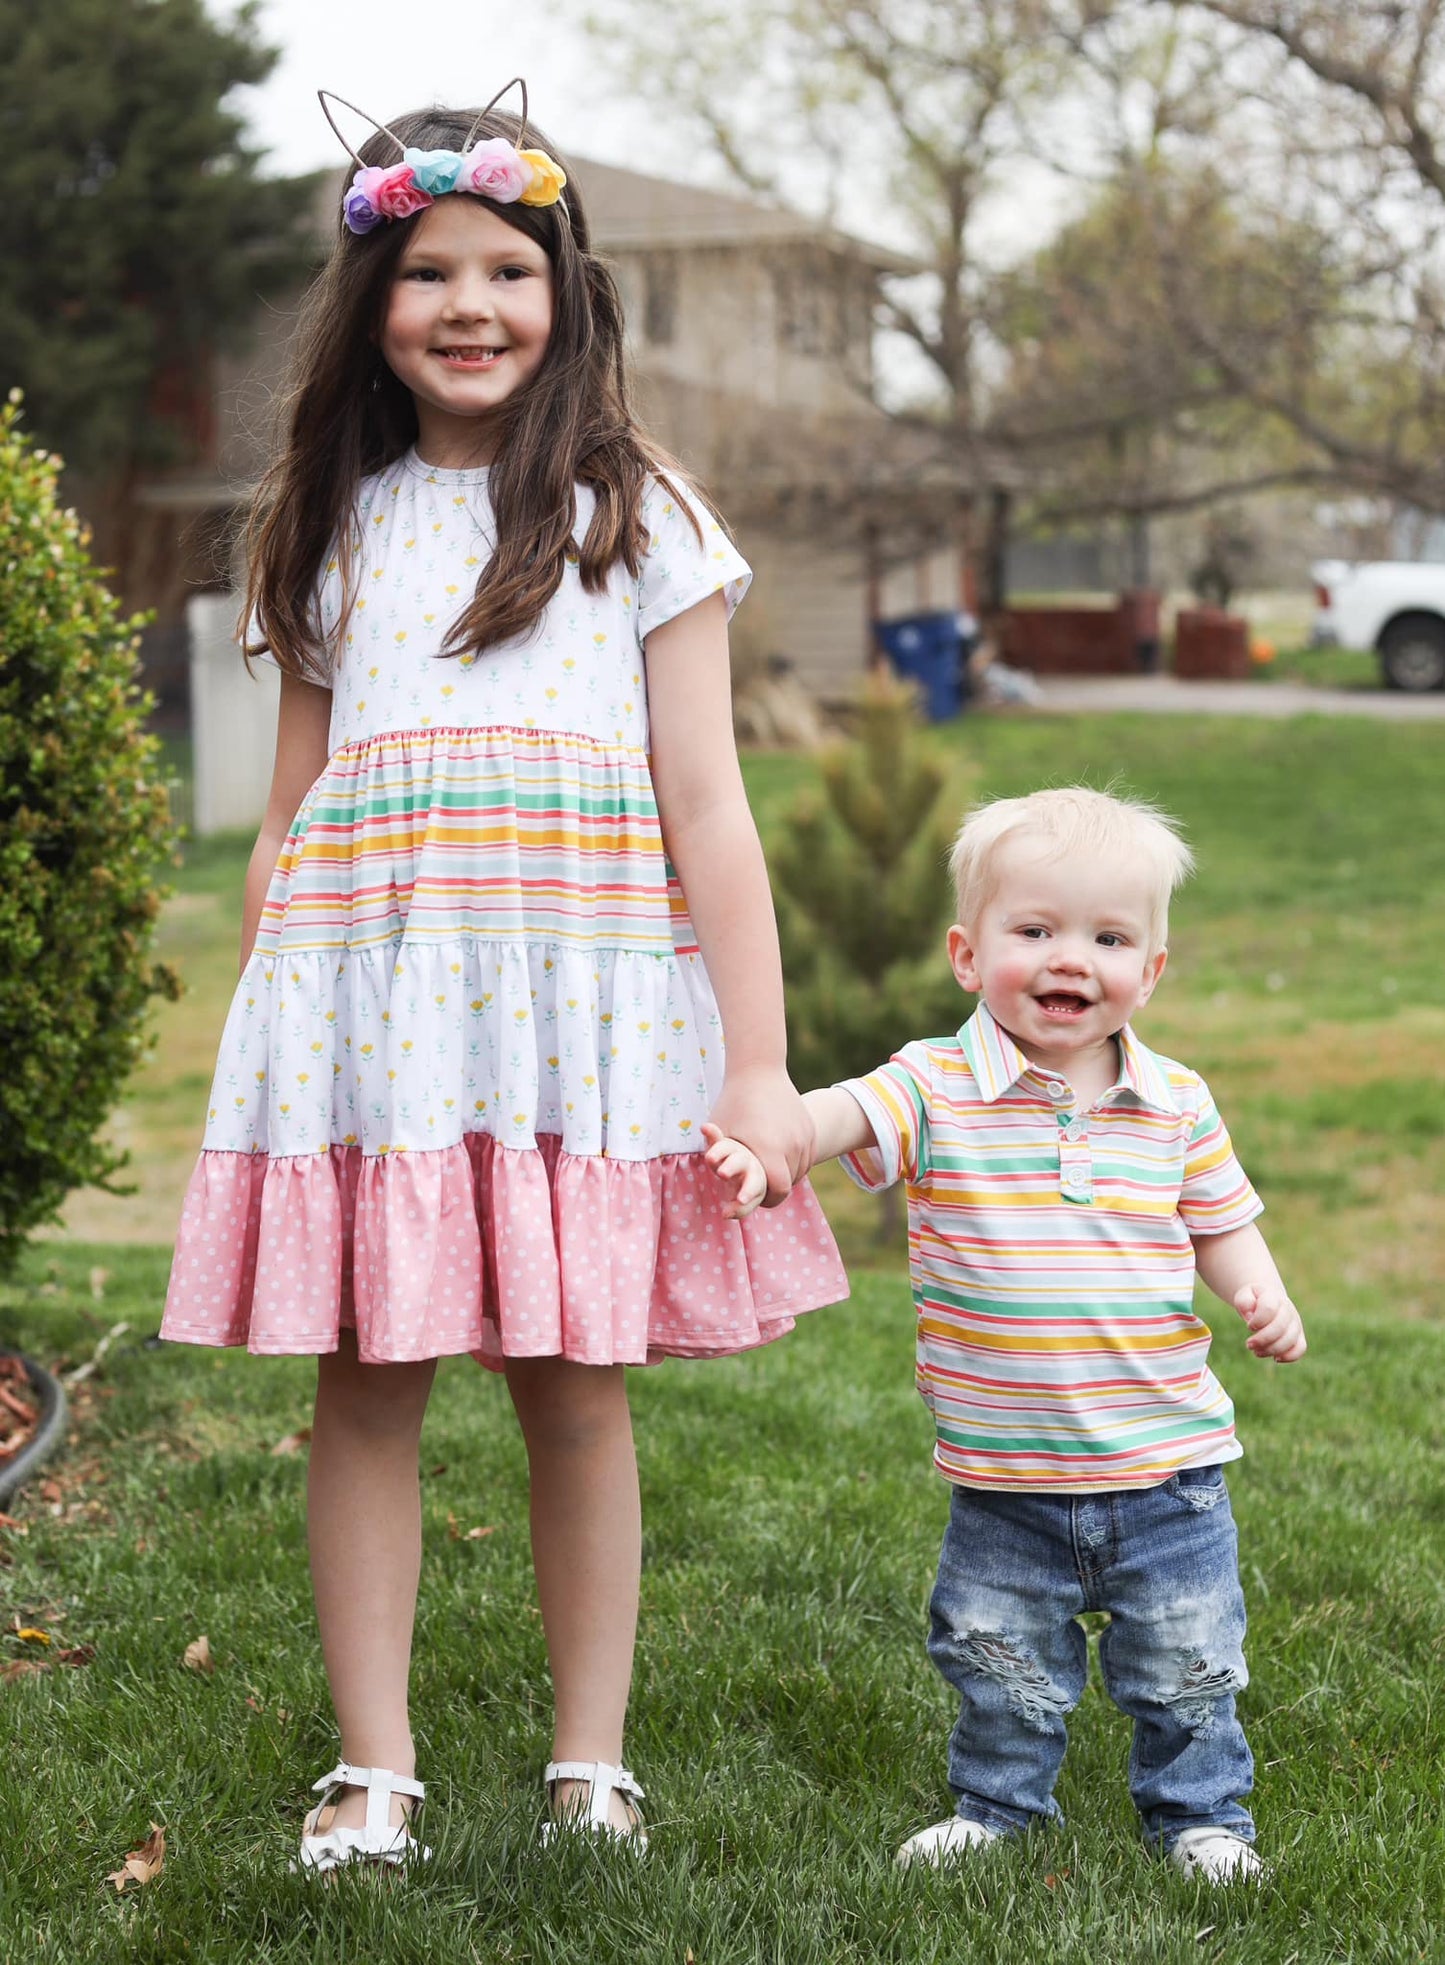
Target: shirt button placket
<point x="1076" y="1170"/>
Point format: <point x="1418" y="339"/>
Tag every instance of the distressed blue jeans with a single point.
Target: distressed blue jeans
<point x="1016" y="1572"/>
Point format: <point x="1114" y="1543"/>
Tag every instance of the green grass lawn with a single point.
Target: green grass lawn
<point x="786" y="1722"/>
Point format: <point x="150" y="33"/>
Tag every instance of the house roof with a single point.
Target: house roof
<point x="630" y="210"/>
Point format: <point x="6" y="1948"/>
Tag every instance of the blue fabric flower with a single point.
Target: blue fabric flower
<point x="434" y="170"/>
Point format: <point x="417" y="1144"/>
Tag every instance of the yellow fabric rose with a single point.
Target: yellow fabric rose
<point x="548" y="179"/>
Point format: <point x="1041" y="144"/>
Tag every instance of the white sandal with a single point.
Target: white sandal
<point x="378" y="1841"/>
<point x="603" y="1781"/>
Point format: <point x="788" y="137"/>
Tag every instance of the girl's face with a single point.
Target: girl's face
<point x="467" y="324"/>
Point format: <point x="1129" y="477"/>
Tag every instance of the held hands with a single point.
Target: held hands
<point x="765" y="1108"/>
<point x="1275" y="1328"/>
<point x="738" y="1168"/>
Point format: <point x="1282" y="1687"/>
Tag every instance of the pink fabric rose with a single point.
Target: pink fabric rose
<point x="492" y="169"/>
<point x="393" y="192"/>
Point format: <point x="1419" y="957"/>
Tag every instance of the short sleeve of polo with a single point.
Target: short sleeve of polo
<point x="896" y="1099"/>
<point x="679" y="569"/>
<point x="1216" y="1194"/>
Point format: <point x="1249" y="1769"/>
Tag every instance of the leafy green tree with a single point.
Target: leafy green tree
<point x="136" y="230"/>
<point x="861" y="885"/>
<point x="84" y="834"/>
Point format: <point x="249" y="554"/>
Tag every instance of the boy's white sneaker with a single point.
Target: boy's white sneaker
<point x="945" y="1842"/>
<point x="1215" y="1855"/>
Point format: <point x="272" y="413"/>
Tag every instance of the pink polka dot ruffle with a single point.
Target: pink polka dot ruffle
<point x="498" y="1251"/>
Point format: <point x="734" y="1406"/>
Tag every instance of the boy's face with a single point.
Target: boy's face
<point x="1060" y="951"/>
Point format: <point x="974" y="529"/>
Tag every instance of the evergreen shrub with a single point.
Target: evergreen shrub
<point x="84" y="833"/>
<point x="860" y="879"/>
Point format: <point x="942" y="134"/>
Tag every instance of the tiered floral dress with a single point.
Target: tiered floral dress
<point x="461" y="1088"/>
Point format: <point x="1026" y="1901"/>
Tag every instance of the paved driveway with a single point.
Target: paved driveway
<point x="1163" y="693"/>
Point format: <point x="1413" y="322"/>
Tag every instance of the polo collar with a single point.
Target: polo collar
<point x="998" y="1064"/>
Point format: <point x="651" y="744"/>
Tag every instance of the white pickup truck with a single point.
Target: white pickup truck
<point x="1396" y="607"/>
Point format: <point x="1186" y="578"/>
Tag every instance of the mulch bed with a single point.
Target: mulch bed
<point x="19" y="1407"/>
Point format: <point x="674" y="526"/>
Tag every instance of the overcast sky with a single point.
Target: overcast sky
<point x="390" y="55"/>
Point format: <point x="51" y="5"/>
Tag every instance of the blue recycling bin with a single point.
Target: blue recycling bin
<point x="931" y="650"/>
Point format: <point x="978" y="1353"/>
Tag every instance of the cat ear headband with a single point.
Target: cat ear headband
<point x="493" y="168"/>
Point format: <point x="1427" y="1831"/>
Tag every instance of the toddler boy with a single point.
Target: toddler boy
<point x="1064" y="1184"/>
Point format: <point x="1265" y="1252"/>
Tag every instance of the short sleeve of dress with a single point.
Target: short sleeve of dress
<point x="251" y="627"/>
<point x="896" y="1101"/>
<point x="679" y="569"/>
<point x="1216" y="1194"/>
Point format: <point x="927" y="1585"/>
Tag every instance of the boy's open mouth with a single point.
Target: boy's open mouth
<point x="1061" y="1004"/>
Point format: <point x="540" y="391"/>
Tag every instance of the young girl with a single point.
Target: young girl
<point x="461" y="1091"/>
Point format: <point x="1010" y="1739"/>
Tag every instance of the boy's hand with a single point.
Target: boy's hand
<point x="1275" y="1328"/>
<point x="738" y="1168"/>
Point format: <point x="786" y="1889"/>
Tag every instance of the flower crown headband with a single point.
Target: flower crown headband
<point x="493" y="168"/>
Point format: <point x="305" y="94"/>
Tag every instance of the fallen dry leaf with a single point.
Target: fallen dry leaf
<point x="476" y="1534"/>
<point x="51" y="1491"/>
<point x="98" y="1280"/>
<point x="198" y="1655"/>
<point x="22" y="1668"/>
<point x="144" y="1864"/>
<point x="292" y="1441"/>
<point x="76" y="1654"/>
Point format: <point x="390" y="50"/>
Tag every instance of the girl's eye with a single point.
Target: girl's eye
<point x="512" y="272"/>
<point x="421" y="273"/>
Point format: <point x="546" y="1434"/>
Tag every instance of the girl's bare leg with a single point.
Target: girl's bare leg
<point x="364" y="1524"/>
<point x="587" y="1549"/>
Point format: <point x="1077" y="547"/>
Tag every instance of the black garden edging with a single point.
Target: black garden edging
<point x="49" y="1430"/>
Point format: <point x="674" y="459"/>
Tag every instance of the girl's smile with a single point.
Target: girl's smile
<point x="468" y="320"/>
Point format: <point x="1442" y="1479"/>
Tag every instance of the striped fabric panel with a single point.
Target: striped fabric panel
<point x="1053" y="1278"/>
<point x="441" y="834"/>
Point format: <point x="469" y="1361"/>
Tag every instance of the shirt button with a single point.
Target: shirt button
<point x="1058" y="1089"/>
<point x="1075" y="1177"/>
<point x="1075" y="1129"/>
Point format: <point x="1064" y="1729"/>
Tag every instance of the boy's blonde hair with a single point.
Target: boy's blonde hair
<point x="1071" y="819"/>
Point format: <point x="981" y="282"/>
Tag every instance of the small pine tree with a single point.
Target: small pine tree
<point x="861" y="884"/>
<point x="84" y="831"/>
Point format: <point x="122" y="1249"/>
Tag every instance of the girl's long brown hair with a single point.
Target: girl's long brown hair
<point x="347" y="416"/>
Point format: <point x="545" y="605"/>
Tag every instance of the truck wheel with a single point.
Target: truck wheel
<point x="1412" y="653"/>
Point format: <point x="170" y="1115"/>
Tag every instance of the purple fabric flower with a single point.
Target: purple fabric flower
<point x="357" y="209"/>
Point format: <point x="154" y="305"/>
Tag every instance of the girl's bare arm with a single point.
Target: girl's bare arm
<point x="713" y="843"/>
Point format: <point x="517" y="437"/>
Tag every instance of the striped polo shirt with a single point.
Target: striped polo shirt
<point x="1051" y="1262"/>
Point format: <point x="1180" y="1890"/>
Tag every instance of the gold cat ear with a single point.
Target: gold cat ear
<point x="323" y="96"/>
<point x="516" y="82"/>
